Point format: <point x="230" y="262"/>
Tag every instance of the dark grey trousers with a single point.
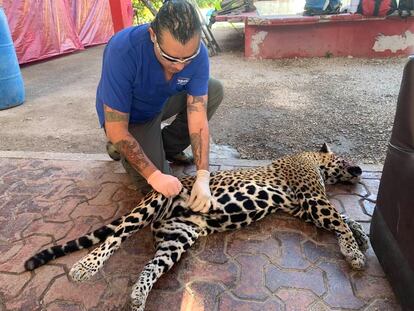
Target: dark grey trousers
<point x="173" y="138"/>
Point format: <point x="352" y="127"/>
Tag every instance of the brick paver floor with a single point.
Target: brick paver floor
<point x="279" y="263"/>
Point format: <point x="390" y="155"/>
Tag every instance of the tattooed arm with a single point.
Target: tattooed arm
<point x="200" y="199"/>
<point x="116" y="127"/>
<point x="198" y="129"/>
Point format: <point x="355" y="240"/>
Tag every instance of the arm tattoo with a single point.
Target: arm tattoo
<point x="134" y="154"/>
<point x="194" y="106"/>
<point x="112" y="116"/>
<point x="196" y="144"/>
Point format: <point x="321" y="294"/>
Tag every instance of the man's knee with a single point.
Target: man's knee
<point x="215" y="94"/>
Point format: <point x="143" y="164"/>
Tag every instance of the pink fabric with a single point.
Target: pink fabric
<point x="42" y="29"/>
<point x="93" y="21"/>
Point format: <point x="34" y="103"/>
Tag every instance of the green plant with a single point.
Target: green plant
<point x="143" y="14"/>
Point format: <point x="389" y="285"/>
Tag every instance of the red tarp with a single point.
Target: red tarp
<point x="41" y="29"/>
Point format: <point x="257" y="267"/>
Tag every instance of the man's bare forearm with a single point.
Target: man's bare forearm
<point x="199" y="132"/>
<point x="136" y="157"/>
<point x="116" y="125"/>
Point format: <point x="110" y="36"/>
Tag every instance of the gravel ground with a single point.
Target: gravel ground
<point x="271" y="107"/>
<point x="275" y="107"/>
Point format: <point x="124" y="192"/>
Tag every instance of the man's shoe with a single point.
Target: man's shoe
<point x="181" y="158"/>
<point x="112" y="152"/>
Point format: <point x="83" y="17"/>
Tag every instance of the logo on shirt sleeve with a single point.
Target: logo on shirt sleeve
<point x="182" y="81"/>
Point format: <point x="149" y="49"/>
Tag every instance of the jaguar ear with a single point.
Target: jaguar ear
<point x="325" y="148"/>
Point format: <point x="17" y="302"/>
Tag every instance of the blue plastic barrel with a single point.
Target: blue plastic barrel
<point x="11" y="81"/>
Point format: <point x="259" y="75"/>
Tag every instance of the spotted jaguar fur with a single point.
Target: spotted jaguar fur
<point x="293" y="184"/>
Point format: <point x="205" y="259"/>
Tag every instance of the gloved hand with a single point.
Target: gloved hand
<point x="167" y="185"/>
<point x="201" y="199"/>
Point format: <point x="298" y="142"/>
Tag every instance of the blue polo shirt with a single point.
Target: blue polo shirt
<point x="133" y="81"/>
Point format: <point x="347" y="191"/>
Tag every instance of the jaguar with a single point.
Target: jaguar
<point x="293" y="184"/>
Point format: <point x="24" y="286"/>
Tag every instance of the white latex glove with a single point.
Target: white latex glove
<point x="167" y="185"/>
<point x="201" y="199"/>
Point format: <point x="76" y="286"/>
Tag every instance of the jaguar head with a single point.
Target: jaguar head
<point x="335" y="169"/>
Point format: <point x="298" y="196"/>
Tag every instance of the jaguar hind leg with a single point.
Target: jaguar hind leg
<point x="89" y="265"/>
<point x="173" y="238"/>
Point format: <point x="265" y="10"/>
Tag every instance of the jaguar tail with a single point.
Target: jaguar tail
<point x="138" y="218"/>
<point x="85" y="241"/>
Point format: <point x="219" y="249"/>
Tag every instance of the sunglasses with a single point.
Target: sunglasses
<point x="176" y="60"/>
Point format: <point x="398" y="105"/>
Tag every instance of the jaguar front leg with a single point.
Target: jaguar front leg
<point x="324" y="215"/>
<point x="172" y="240"/>
<point x="358" y="232"/>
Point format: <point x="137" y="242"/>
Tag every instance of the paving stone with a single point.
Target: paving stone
<point x="201" y="296"/>
<point x="89" y="294"/>
<point x="106" y="212"/>
<point x="325" y="237"/>
<point x="124" y="193"/>
<point x="121" y="263"/>
<point x="372" y="186"/>
<point x="228" y="302"/>
<point x="140" y="243"/>
<point x="9" y="203"/>
<point x="340" y="293"/>
<point x="296" y="299"/>
<point x="11" y="228"/>
<point x="40" y="227"/>
<point x="116" y="296"/>
<point x="61" y="209"/>
<point x="28" y="299"/>
<point x="166" y="300"/>
<point x="12" y="284"/>
<point x="104" y="196"/>
<point x="366" y="226"/>
<point x="315" y="252"/>
<point x="373" y="267"/>
<point x="353" y="208"/>
<point x="282" y="223"/>
<point x="337" y="205"/>
<point x="214" y="249"/>
<point x="368" y="207"/>
<point x="31" y="246"/>
<point x="371" y="175"/>
<point x="319" y="306"/>
<point x="8" y="250"/>
<point x="81" y="226"/>
<point x="69" y="260"/>
<point x="56" y="187"/>
<point x="311" y="279"/>
<point x="260" y="230"/>
<point x="355" y="189"/>
<point x="124" y="207"/>
<point x="270" y="247"/>
<point x="170" y="280"/>
<point x="115" y="175"/>
<point x="194" y="270"/>
<point x="251" y="285"/>
<point x="370" y="287"/>
<point x="6" y="166"/>
<point x="34" y="205"/>
<point x="198" y="246"/>
<point x="273" y="254"/>
<point x="383" y="305"/>
<point x="292" y="256"/>
<point x="63" y="306"/>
